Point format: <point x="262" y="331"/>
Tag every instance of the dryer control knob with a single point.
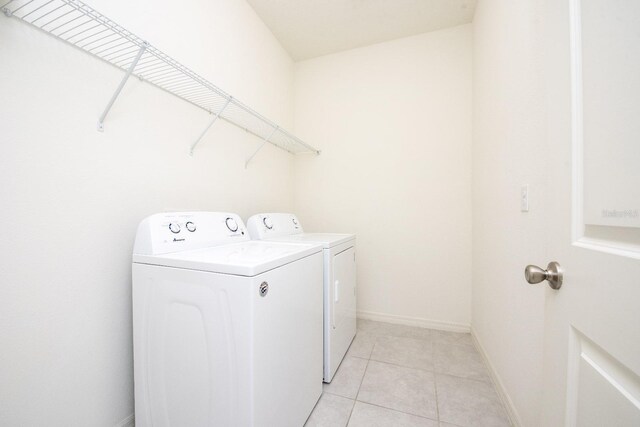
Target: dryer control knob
<point x="174" y="227"/>
<point x="267" y="222"/>
<point x="190" y="226"/>
<point x="231" y="224"/>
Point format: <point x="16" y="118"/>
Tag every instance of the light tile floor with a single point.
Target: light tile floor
<point x="394" y="376"/>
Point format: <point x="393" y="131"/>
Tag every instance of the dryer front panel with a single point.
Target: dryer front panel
<point x="340" y="308"/>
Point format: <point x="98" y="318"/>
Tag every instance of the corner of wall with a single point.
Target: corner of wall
<point x="512" y="412"/>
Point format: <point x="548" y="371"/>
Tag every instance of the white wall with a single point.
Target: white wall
<point x="393" y="121"/>
<point x="509" y="141"/>
<point x="71" y="197"/>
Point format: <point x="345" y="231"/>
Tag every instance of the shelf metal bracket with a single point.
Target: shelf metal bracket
<point x="193" y="146"/>
<point x="80" y="25"/>
<point x="261" y="145"/>
<point x="120" y="87"/>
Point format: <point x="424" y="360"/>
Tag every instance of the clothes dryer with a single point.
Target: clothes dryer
<point x="339" y="279"/>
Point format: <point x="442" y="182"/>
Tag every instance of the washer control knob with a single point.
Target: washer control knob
<point x="231" y="224"/>
<point x="174" y="227"/>
<point x="190" y="226"/>
<point x="267" y="222"/>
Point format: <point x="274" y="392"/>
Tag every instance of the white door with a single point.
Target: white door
<point x="592" y="324"/>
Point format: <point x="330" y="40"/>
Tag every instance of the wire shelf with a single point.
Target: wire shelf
<point x="83" y="27"/>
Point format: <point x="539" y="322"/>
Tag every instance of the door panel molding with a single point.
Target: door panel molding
<point x="589" y="364"/>
<point x="601" y="237"/>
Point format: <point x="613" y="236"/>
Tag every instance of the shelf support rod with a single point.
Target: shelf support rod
<point x="193" y="146"/>
<point x="121" y="86"/>
<point x="261" y="145"/>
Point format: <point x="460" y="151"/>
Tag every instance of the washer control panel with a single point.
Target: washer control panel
<point x="178" y="231"/>
<point x="269" y="225"/>
<point x="268" y="222"/>
<point x="231" y="224"/>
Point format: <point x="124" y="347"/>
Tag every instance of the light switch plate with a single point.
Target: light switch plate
<point x="524" y="198"/>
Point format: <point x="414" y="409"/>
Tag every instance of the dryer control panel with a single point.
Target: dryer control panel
<point x="269" y="225"/>
<point x="179" y="231"/>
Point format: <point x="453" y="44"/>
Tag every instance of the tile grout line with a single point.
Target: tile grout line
<point x="435" y="379"/>
<point x="377" y="405"/>
<point x="355" y="399"/>
<point x="396" y="410"/>
<point x="408" y="327"/>
<point x="351" y="412"/>
<point x="385" y="407"/>
<point x="357" y="357"/>
<point x="456" y="342"/>
<point x="312" y="411"/>
<point x="402" y="366"/>
<point x="435" y="344"/>
<point x="433" y="371"/>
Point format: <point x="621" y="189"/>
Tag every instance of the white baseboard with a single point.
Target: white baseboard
<point x="498" y="384"/>
<point x="414" y="321"/>
<point x="130" y="421"/>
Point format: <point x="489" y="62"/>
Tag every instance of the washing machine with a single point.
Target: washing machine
<point x="226" y="331"/>
<point x="339" y="279"/>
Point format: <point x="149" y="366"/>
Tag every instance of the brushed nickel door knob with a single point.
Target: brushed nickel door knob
<point x="553" y="274"/>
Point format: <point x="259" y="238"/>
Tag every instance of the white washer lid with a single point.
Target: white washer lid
<point x="242" y="259"/>
<point x="327" y="240"/>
